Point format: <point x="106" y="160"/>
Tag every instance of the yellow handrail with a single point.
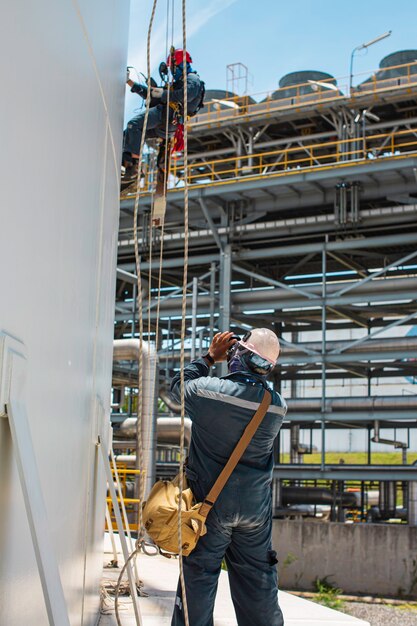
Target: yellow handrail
<point x="309" y="156"/>
<point x="332" y="151"/>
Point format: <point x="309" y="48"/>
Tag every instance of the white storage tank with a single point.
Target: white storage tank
<point x="63" y="69"/>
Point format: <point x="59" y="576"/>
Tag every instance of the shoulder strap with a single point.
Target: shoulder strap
<point x="234" y="459"/>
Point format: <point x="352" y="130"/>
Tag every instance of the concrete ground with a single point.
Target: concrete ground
<point x="160" y="576"/>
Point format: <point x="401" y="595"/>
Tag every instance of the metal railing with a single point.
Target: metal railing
<point x="124" y="473"/>
<point x="291" y="160"/>
<point x="293" y="96"/>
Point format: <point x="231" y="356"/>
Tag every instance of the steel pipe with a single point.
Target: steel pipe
<point x="412" y="502"/>
<point x="371" y="349"/>
<point x="365" y="403"/>
<point x="316" y="495"/>
<point x="288" y="226"/>
<point x="167" y="398"/>
<point x="128" y="350"/>
<point x="167" y="429"/>
<point x="296" y="249"/>
<point x="379" y="290"/>
<point x="370" y="345"/>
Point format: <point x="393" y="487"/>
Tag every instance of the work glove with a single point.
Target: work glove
<point x="141" y="90"/>
<point x="156" y="92"/>
<point x="220" y="345"/>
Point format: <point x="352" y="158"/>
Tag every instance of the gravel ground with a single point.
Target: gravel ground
<point x="381" y="615"/>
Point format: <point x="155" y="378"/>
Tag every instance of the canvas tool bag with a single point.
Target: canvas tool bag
<point x="160" y="511"/>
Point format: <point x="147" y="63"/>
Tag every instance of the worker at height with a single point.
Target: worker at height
<point x="165" y="101"/>
<point x="240" y="524"/>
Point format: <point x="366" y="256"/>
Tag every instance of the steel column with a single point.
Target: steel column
<point x="194" y="317"/>
<point x="225" y="300"/>
<point x="323" y="357"/>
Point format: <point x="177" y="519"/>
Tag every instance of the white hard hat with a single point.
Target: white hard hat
<point x="262" y="342"/>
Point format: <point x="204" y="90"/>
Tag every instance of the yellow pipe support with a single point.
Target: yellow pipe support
<point x="126" y="500"/>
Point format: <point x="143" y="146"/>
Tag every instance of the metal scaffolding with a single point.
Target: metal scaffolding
<point x="303" y="218"/>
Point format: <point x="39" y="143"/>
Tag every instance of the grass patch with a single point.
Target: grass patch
<point x="327" y="594"/>
<point x="407" y="606"/>
<point x="356" y="458"/>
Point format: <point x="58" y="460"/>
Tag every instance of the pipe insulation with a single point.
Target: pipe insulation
<point x="370" y="345"/>
<point x="128" y="350"/>
<point x="406" y="345"/>
<point x="377" y="403"/>
<point x="167" y="429"/>
<point x="377" y="290"/>
<point x="167" y="398"/>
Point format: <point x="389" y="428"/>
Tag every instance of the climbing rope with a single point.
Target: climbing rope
<point x="166" y="174"/>
<point x="183" y="312"/>
<point x="139" y="448"/>
<point x="140" y="540"/>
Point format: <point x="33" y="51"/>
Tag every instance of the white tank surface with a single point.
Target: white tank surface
<point x="63" y="69"/>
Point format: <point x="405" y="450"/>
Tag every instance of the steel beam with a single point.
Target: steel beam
<point x="361" y="243"/>
<point x="345" y="472"/>
<point x="233" y="186"/>
<point x="210" y="222"/>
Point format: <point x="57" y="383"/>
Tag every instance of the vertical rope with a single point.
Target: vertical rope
<point x="139" y="450"/>
<point x="166" y="174"/>
<point x="184" y="308"/>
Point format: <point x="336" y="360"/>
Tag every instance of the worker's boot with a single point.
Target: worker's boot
<point x="130" y="174"/>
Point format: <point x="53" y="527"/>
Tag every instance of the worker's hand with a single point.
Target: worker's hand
<point x="141" y="90"/>
<point x="127" y="75"/>
<point x="220" y="345"/>
<point x="156" y="92"/>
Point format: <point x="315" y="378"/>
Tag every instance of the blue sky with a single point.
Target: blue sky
<point x="274" y="37"/>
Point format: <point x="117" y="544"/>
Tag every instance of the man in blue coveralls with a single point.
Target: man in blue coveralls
<point x="240" y="523"/>
<point x="157" y="119"/>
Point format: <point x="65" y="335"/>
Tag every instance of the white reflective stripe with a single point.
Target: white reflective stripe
<point x="245" y="404"/>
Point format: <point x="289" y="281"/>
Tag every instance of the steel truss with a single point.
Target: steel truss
<point x="304" y="220"/>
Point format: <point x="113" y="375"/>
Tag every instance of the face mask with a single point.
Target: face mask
<point x="179" y="71"/>
<point x="242" y="360"/>
<point x="236" y="365"/>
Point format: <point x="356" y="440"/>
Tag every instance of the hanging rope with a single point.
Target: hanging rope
<point x="139" y="448"/>
<point x="183" y="310"/>
<point x="139" y="451"/>
<point x="166" y="174"/>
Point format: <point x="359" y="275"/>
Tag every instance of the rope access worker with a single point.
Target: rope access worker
<point x="161" y="103"/>
<point x="240" y="523"/>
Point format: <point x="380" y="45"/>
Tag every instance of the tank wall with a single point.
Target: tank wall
<point x="63" y="67"/>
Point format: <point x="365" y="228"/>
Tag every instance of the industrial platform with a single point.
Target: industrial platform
<point x="160" y="576"/>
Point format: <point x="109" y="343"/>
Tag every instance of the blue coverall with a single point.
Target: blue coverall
<point x="156" y="126"/>
<point x="239" y="525"/>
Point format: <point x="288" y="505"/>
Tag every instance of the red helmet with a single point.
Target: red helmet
<point x="176" y="58"/>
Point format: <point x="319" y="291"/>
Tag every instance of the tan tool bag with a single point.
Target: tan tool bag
<point x="160" y="511"/>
